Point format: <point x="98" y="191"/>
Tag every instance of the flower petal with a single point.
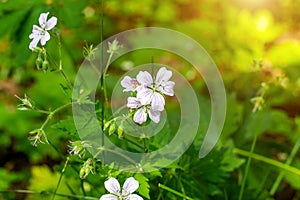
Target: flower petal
<point x="130" y="84"/>
<point x="163" y="75"/>
<point x="140" y="115"/>
<point x="108" y="197"/>
<point x="112" y="185"/>
<point x="167" y="88"/>
<point x="134" y="197"/>
<point x="154" y="115"/>
<point x="34" y="43"/>
<point x="133" y="102"/>
<point x="43" y="19"/>
<point x="158" y="102"/>
<point x="130" y="186"/>
<point x="51" y="23"/>
<point x="145" y="96"/>
<point x="35" y="31"/>
<point x="144" y="78"/>
<point x="45" y="38"/>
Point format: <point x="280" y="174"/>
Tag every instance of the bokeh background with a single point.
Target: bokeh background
<point x="251" y="41"/>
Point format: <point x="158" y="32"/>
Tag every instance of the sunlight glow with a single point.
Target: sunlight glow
<point x="262" y="23"/>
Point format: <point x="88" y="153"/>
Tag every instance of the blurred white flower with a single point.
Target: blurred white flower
<point x="112" y="185"/>
<point x="40" y="33"/>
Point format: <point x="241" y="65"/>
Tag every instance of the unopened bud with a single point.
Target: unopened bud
<point x="45" y="65"/>
<point x="38" y="63"/>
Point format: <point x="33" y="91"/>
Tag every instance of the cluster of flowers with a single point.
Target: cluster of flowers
<point x="147" y="94"/>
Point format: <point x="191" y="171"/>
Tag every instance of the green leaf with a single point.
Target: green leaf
<point x="144" y="185"/>
<point x="66" y="126"/>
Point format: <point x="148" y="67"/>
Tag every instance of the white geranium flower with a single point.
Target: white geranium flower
<point x="40" y="33"/>
<point x="152" y="91"/>
<point x="112" y="185"/>
<point x="142" y="112"/>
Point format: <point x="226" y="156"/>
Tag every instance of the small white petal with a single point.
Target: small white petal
<point x="130" y="186"/>
<point x="144" y="78"/>
<point x="126" y="82"/>
<point x="34" y="43"/>
<point x="51" y="23"/>
<point x="112" y="185"/>
<point x="45" y="38"/>
<point x="167" y="88"/>
<point x="154" y="115"/>
<point x="43" y="19"/>
<point x="130" y="84"/>
<point x="33" y="35"/>
<point x="140" y="115"/>
<point x="158" y="102"/>
<point x="108" y="197"/>
<point x="35" y="31"/>
<point x="133" y="102"/>
<point x="163" y="75"/>
<point x="134" y="197"/>
<point x="145" y="96"/>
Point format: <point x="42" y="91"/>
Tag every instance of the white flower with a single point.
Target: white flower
<point x="153" y="90"/>
<point x="112" y="185"/>
<point x="130" y="84"/>
<point x="40" y="33"/>
<point x="140" y="116"/>
<point x="149" y="97"/>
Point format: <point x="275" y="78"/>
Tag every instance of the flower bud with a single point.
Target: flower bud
<point x="112" y="129"/>
<point x="45" y="65"/>
<point x="120" y="131"/>
<point x="88" y="166"/>
<point x="38" y="63"/>
<point x="78" y="148"/>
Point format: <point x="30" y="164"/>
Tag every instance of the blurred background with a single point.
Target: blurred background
<point x="251" y="41"/>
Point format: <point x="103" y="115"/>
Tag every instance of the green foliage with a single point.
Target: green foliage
<point x="144" y="188"/>
<point x="252" y="42"/>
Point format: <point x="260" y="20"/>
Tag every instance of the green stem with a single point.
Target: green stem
<point x="288" y="162"/>
<point x="70" y="86"/>
<point x="60" y="178"/>
<point x="268" y="161"/>
<point x="115" y="152"/>
<point x="102" y="80"/>
<point x="104" y="76"/>
<point x="41" y="111"/>
<point x="49" y="117"/>
<point x="174" y="191"/>
<point x="49" y="193"/>
<point x="247" y="168"/>
<point x="132" y="142"/>
<point x="60" y="64"/>
<point x="145" y="144"/>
